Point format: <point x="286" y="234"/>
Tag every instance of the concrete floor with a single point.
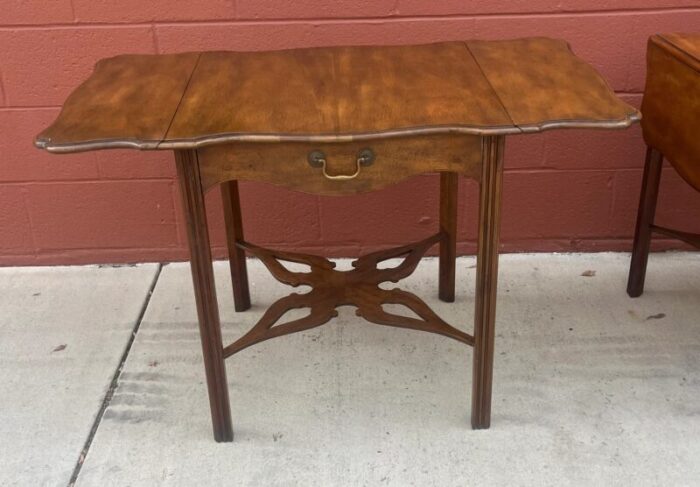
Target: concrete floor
<point x="590" y="387"/>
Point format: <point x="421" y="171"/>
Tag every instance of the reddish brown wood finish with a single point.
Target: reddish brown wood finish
<point x="128" y="101"/>
<point x="234" y="235"/>
<point x="449" y="189"/>
<point x="687" y="45"/>
<point x="671" y="102"/>
<point x="486" y="280"/>
<point x="689" y="238"/>
<point x="286" y="163"/>
<point x="358" y="287"/>
<point x="671" y="128"/>
<point x="645" y="219"/>
<point x="335" y="94"/>
<point x="205" y="293"/>
<point x="534" y="79"/>
<point x="336" y="90"/>
<point x="428" y="108"/>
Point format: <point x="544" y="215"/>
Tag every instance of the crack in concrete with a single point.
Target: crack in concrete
<point x="115" y="381"/>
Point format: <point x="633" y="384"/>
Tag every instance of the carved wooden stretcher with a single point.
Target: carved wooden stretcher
<point x="335" y="121"/>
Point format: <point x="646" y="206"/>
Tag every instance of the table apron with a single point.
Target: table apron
<point x="287" y="163"/>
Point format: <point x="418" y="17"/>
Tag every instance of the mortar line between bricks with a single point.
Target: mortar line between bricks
<point x="156" y="44"/>
<point x="332" y="20"/>
<point x="106" y="180"/>
<point x="72" y="10"/>
<point x="115" y="380"/>
<point x="3" y="98"/>
<point x="165" y="179"/>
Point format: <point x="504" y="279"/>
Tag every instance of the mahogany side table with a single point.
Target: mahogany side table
<point x="335" y="121"/>
<point x="671" y="128"/>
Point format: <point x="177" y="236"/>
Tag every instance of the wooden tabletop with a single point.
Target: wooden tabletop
<point x="334" y="94"/>
<point x="684" y="46"/>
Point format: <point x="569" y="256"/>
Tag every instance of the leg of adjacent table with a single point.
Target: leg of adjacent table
<point x="236" y="255"/>
<point x="449" y="185"/>
<point x="645" y="219"/>
<point x="486" y="279"/>
<point x="205" y="292"/>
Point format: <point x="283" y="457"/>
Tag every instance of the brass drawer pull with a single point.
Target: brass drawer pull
<point x="317" y="158"/>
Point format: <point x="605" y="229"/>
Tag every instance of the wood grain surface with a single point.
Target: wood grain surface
<point x="336" y="90"/>
<point x="129" y="101"/>
<point x="687" y="45"/>
<point x="334" y="94"/>
<point x="286" y="163"/>
<point x="543" y="85"/>
<point x="671" y="104"/>
<point x="671" y="126"/>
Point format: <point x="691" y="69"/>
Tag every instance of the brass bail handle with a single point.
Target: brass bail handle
<point x="317" y="158"/>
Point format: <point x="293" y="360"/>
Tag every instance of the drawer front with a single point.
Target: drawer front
<point x="340" y="168"/>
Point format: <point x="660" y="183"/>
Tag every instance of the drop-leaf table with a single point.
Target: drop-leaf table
<point x="337" y="121"/>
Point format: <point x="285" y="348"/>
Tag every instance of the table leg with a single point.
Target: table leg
<point x="486" y="278"/>
<point x="645" y="220"/>
<point x="234" y="235"/>
<point x="205" y="292"/>
<point x="449" y="187"/>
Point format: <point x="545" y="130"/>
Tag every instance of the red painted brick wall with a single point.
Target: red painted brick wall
<point x="574" y="190"/>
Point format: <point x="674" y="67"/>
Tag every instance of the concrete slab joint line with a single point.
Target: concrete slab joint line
<point x="115" y="380"/>
<point x="63" y="331"/>
<point x="589" y="384"/>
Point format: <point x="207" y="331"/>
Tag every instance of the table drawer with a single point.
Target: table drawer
<point x="340" y="168"/>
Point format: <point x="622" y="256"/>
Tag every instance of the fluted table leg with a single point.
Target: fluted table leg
<point x="205" y="292"/>
<point x="486" y="279"/>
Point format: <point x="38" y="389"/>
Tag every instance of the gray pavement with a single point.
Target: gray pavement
<point x="63" y="331"/>
<point x="590" y="387"/>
